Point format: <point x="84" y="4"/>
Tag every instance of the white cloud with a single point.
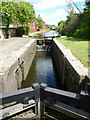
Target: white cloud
<point x="55" y="14"/>
<point x="78" y="0"/>
<point x="44" y="4"/>
<point x="58" y="13"/>
<point x="55" y="17"/>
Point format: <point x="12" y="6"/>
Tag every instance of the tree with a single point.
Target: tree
<point x="16" y="13"/>
<point x="40" y="22"/>
<point x="67" y="27"/>
<point x="70" y="9"/>
<point x="72" y="22"/>
<point x="25" y="13"/>
<point x="61" y="26"/>
<point x="8" y="15"/>
<point x="84" y="28"/>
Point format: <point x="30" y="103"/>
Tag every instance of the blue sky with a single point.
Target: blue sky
<point x="52" y="11"/>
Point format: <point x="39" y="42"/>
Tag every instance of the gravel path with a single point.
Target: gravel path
<point x="13" y="44"/>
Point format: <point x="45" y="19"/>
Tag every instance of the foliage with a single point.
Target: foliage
<point x="19" y="31"/>
<point x="69" y="26"/>
<point x="49" y="27"/>
<point x="84" y="28"/>
<point x="8" y="15"/>
<point x="25" y="12"/>
<point x="77" y="25"/>
<point x="26" y="30"/>
<point x="60" y="26"/>
<point x="40" y="22"/>
<point x="72" y="25"/>
<point x="16" y="13"/>
<point x="23" y="30"/>
<point x="70" y="10"/>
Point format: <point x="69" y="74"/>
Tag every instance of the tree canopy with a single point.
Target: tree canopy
<point x="16" y="13"/>
<point x="40" y="22"/>
<point x="77" y="25"/>
<point x="61" y="26"/>
<point x="84" y="28"/>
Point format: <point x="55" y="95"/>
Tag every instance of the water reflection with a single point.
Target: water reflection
<point x="41" y="70"/>
<point x="51" y="33"/>
<point x="44" y="69"/>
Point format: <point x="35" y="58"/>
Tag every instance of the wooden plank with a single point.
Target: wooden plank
<point x="66" y="97"/>
<point x="15" y="109"/>
<point x="16" y="95"/>
<point x="49" y="116"/>
<point x="10" y="110"/>
<point x="72" y="111"/>
<point x="69" y="111"/>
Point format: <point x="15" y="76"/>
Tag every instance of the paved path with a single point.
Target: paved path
<point x="9" y="47"/>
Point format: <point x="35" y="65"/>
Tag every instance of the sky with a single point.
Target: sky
<point x="53" y="11"/>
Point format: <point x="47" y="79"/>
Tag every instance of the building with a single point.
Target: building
<point x="34" y="28"/>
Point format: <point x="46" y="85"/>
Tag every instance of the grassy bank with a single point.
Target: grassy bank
<point x="39" y="32"/>
<point x="79" y="47"/>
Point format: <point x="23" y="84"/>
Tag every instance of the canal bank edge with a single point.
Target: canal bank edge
<point x="71" y="71"/>
<point x="17" y="67"/>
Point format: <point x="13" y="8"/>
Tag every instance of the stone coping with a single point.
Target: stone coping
<point x="8" y="58"/>
<point x="75" y="63"/>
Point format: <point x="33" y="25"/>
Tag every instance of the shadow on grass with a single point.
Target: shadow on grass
<point x="74" y="39"/>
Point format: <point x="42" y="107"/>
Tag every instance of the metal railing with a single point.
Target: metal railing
<point x="48" y="103"/>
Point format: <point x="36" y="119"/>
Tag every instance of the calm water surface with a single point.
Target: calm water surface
<point x="41" y="71"/>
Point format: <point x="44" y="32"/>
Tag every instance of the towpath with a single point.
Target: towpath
<point x="10" y="47"/>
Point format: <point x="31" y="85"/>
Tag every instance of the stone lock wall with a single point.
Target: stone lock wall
<point x="73" y="75"/>
<point x="18" y="67"/>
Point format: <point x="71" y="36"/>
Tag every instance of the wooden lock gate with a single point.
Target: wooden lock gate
<point x="47" y="103"/>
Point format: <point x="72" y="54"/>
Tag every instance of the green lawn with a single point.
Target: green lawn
<point x="79" y="48"/>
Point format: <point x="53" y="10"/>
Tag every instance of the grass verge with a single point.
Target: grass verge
<point x="79" y="48"/>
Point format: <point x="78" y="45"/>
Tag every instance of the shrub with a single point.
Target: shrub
<point x="26" y="30"/>
<point x="23" y="30"/>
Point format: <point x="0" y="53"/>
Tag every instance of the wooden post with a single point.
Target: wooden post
<point x="42" y="105"/>
<point x="36" y="87"/>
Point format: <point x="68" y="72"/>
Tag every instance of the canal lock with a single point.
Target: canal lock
<point x="42" y="69"/>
